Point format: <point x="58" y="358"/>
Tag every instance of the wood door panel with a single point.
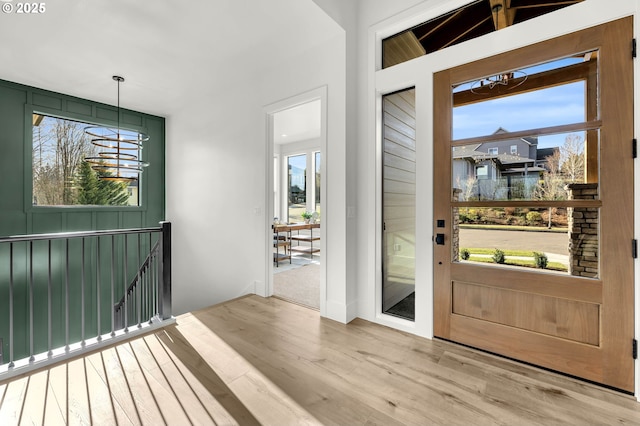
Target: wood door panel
<point x="580" y="326"/>
<point x="617" y="194"/>
<point x="535" y="348"/>
<point x="582" y="41"/>
<point x="544" y="283"/>
<point x="563" y="318"/>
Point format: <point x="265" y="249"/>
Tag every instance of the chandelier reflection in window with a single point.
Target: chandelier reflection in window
<point x="119" y="153"/>
<point x="505" y="81"/>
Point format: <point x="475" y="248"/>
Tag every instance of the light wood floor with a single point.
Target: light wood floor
<point x="255" y="360"/>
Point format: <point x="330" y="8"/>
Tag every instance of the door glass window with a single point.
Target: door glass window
<point x="530" y="137"/>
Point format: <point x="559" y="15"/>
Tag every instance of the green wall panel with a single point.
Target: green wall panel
<point x="44" y="223"/>
<point x="79" y="221"/>
<point x="136" y="120"/>
<point x="12" y="102"/>
<point x="132" y="220"/>
<point x="18" y="216"/>
<point x="107" y="220"/>
<point x="79" y="108"/>
<point x="103" y="113"/>
<point x="44" y="100"/>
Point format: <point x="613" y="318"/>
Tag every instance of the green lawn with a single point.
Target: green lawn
<point x="483" y="255"/>
<point x="514" y="228"/>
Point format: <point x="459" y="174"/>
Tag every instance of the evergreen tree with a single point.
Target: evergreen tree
<point x="93" y="191"/>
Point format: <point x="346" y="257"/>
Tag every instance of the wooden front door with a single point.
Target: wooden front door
<point x="580" y="320"/>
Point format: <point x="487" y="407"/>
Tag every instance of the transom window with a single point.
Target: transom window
<point x="471" y="21"/>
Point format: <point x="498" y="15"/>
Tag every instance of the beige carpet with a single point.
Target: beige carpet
<point x="300" y="285"/>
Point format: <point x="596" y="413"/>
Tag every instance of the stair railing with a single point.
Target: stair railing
<point x="57" y="292"/>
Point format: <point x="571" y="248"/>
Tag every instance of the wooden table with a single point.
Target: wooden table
<point x="288" y="227"/>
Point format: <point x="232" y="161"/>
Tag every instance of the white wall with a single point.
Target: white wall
<point x="320" y="66"/>
<point x="216" y="172"/>
<point x="215" y="175"/>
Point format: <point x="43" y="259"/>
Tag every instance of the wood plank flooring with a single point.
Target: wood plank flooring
<point x="267" y="361"/>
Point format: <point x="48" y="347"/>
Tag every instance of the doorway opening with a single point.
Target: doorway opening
<point x="297" y="139"/>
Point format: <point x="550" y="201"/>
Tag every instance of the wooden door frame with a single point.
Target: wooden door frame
<point x="611" y="231"/>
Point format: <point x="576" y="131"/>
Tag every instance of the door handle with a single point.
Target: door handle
<point x="440" y="239"/>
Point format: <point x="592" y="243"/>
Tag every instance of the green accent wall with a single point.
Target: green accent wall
<point x="18" y="216"/>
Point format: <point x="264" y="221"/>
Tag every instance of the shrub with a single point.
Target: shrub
<point x="464" y="254"/>
<point x="464" y="218"/>
<point x="498" y="256"/>
<point x="534" y="217"/>
<point x="540" y="259"/>
<point x="509" y="211"/>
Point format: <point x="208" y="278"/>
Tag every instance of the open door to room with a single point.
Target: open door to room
<point x="297" y="246"/>
<point x="569" y="306"/>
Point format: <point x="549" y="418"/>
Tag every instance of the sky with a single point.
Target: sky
<point x="548" y="107"/>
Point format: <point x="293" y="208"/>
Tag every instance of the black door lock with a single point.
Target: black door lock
<point x="440" y="239"/>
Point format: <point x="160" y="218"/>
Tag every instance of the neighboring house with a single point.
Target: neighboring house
<point x="500" y="169"/>
<point x="132" y="190"/>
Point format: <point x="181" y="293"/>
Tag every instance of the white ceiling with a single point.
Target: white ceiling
<point x="299" y="123"/>
<point x="167" y="51"/>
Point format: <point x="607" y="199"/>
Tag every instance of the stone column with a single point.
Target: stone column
<point x="455" y="228"/>
<point x="583" y="231"/>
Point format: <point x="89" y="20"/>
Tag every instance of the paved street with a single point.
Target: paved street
<point x="551" y="243"/>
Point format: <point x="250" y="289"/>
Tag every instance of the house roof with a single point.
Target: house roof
<point x="543" y="153"/>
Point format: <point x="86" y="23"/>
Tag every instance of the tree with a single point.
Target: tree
<point x="71" y="147"/>
<point x="59" y="147"/>
<point x="553" y="182"/>
<point x="564" y="166"/>
<point x="93" y="191"/>
<point x="572" y="158"/>
<point x="466" y="186"/>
